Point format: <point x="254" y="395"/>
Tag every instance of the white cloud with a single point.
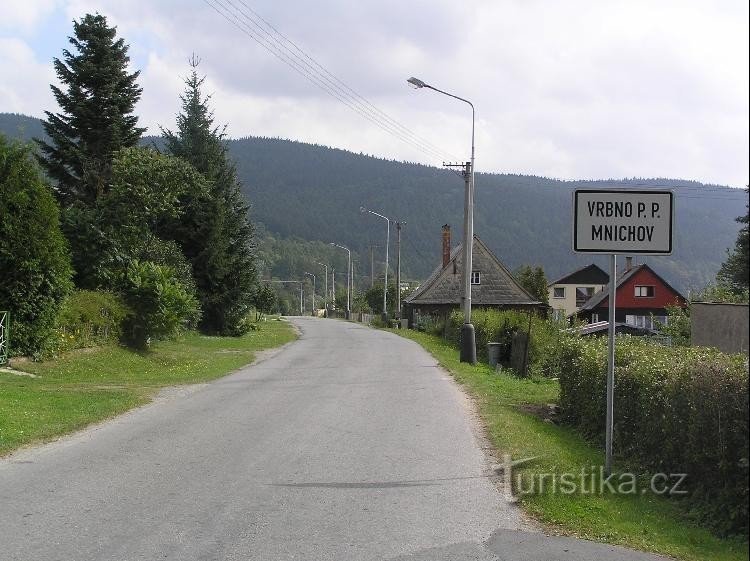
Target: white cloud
<point x="565" y="89"/>
<point x="24" y="16"/>
<point x="25" y="84"/>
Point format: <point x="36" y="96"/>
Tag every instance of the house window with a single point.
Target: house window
<point x="558" y="292"/>
<point x="644" y="291"/>
<point x="647" y="322"/>
<point x="559" y="314"/>
<point x="475" y="277"/>
<point x="595" y="318"/>
<point x="583" y="293"/>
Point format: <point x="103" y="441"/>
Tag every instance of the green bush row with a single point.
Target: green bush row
<point x="677" y="410"/>
<point x="496" y="326"/>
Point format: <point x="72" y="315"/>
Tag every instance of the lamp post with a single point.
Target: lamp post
<point x="387" y="243"/>
<point x="348" y="277"/>
<point x="325" y="294"/>
<point x="468" y="338"/>
<point x="313" y="292"/>
<point x="398" y="272"/>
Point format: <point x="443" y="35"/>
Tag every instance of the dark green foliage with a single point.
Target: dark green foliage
<point x="128" y="222"/>
<point x="34" y="259"/>
<point x="90" y="318"/>
<point x="96" y="119"/>
<point x="160" y="305"/>
<point x="533" y="281"/>
<point x="734" y="271"/>
<point x="215" y="233"/>
<point x="677" y="410"/>
<point x="374" y="298"/>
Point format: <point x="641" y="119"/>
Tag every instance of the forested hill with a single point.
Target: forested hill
<point x="314" y="193"/>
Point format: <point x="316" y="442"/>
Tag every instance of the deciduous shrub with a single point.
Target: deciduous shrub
<point x="496" y="326"/>
<point x="159" y="304"/>
<point x="89" y="318"/>
<point x="677" y="410"/>
<point x="34" y="259"/>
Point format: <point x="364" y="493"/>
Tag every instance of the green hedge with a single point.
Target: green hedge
<point x="677" y="410"/>
<point x="34" y="260"/>
<point x="495" y="326"/>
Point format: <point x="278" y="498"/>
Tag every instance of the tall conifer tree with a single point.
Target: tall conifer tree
<point x="97" y="103"/>
<point x="216" y="234"/>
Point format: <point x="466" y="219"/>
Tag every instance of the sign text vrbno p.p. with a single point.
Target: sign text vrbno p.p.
<point x="622" y="221"/>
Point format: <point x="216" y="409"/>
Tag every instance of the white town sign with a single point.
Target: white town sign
<point x="623" y="221"/>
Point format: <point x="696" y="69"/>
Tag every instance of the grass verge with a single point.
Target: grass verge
<point x="642" y="521"/>
<point x="84" y="387"/>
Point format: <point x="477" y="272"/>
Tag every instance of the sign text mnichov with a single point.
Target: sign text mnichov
<point x="622" y="221"/>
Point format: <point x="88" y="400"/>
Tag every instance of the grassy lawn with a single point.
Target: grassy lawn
<point x="88" y="386"/>
<point x="641" y="521"/>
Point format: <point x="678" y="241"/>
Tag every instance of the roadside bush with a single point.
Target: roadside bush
<point x="501" y="326"/>
<point x="160" y="306"/>
<point x="677" y="410"/>
<point x="89" y="318"/>
<point x="34" y="258"/>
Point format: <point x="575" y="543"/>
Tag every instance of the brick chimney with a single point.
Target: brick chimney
<point x="628" y="263"/>
<point x="446" y="245"/>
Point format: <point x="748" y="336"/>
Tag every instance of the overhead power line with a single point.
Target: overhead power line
<point x="288" y="52"/>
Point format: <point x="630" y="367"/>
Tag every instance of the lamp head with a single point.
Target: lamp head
<point x="416" y="82"/>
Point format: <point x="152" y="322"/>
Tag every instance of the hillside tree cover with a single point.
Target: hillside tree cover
<point x="216" y="234"/>
<point x="34" y="256"/>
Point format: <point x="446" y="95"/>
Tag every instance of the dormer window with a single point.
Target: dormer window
<point x="475" y="277"/>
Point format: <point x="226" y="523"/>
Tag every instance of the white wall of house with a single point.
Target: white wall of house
<point x="564" y="300"/>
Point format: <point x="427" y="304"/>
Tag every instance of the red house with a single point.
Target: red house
<point x="641" y="299"/>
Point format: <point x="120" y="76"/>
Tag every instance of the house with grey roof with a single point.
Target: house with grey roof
<point x="571" y="291"/>
<point x="492" y="285"/>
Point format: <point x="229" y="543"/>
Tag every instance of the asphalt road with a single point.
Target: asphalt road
<point x="349" y="444"/>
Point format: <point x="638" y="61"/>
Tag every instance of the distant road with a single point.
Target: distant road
<point x="350" y="444"/>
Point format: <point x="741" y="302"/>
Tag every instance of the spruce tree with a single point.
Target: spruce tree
<point x="215" y="234"/>
<point x="734" y="271"/>
<point x="97" y="103"/>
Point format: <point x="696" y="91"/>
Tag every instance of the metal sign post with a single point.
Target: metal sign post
<point x="612" y="221"/>
<point x="4" y="336"/>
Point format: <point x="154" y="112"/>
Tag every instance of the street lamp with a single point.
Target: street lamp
<point x="363" y="210"/>
<point x="325" y="294"/>
<point x="313" y="293"/>
<point x="348" y="277"/>
<point x="468" y="338"/>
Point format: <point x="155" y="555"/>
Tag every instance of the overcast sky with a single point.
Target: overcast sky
<point x="571" y="90"/>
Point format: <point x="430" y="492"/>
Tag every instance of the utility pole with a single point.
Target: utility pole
<point x="372" y="266"/>
<point x="325" y="294"/>
<point x="398" y="271"/>
<point x="313" y="292"/>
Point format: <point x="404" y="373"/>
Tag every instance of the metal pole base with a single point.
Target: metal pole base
<point x="347" y="314"/>
<point x="384" y="317"/>
<point x="468" y="344"/>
